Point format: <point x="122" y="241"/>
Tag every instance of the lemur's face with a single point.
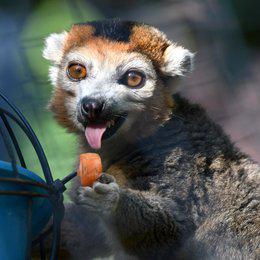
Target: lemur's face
<point x="109" y="88"/>
<point x="109" y="81"/>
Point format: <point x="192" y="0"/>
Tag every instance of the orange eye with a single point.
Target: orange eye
<point x="134" y="78"/>
<point x="76" y="71"/>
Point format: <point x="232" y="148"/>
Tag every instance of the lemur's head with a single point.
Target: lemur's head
<point x="110" y="78"/>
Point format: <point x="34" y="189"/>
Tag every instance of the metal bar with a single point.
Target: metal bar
<point x="56" y="236"/>
<point x="42" y="235"/>
<point x="69" y="177"/>
<point x="29" y="229"/>
<point x="9" y="148"/>
<point x="58" y="215"/>
<point x="36" y="145"/>
<point x="55" y="195"/>
<point x="22" y="181"/>
<point x="42" y="249"/>
<point x="16" y="145"/>
<point x="33" y="138"/>
<point x="23" y="193"/>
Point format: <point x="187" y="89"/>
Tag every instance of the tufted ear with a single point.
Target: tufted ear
<point x="177" y="61"/>
<point x="53" y="49"/>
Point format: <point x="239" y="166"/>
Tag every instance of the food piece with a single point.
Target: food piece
<point x="90" y="168"/>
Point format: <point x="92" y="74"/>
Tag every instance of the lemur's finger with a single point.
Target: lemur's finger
<point x="101" y="188"/>
<point x="105" y="188"/>
<point x="86" y="192"/>
<point x="106" y="178"/>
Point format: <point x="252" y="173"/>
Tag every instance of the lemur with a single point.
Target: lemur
<point x="174" y="186"/>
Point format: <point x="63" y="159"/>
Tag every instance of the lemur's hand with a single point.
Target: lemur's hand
<point x="103" y="197"/>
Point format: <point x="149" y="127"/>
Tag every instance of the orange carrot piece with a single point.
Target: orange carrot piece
<point x="90" y="168"/>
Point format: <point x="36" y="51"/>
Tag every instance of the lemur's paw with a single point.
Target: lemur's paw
<point x="102" y="197"/>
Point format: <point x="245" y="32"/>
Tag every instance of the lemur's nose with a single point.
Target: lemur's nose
<point x="91" y="108"/>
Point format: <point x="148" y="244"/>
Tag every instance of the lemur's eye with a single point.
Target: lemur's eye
<point x="133" y="79"/>
<point x="76" y="71"/>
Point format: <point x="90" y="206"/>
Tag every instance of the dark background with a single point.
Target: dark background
<point x="224" y="34"/>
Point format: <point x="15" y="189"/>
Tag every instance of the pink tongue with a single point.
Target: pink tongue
<point x="94" y="134"/>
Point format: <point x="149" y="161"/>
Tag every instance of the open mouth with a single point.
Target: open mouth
<point x="96" y="132"/>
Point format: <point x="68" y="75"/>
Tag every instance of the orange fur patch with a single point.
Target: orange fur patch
<point x="57" y="106"/>
<point x="103" y="45"/>
<point x="78" y="36"/>
<point x="81" y="35"/>
<point x="143" y="39"/>
<point x="149" y="42"/>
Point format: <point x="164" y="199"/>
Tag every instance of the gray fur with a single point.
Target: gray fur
<point x="190" y="194"/>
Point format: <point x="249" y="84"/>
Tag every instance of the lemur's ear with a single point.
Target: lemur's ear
<point x="53" y="49"/>
<point x="177" y="61"/>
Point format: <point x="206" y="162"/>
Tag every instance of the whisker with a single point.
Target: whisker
<point x="137" y="95"/>
<point x="156" y="108"/>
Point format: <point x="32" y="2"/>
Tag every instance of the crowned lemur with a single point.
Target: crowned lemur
<point x="174" y="186"/>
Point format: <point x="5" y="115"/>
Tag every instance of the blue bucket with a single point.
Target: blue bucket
<point x="24" y="211"/>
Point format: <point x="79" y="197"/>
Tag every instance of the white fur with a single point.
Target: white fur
<point x="53" y="74"/>
<point x="103" y="74"/>
<point x="53" y="49"/>
<point x="177" y="61"/>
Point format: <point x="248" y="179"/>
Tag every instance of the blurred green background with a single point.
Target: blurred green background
<point x="225" y="35"/>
